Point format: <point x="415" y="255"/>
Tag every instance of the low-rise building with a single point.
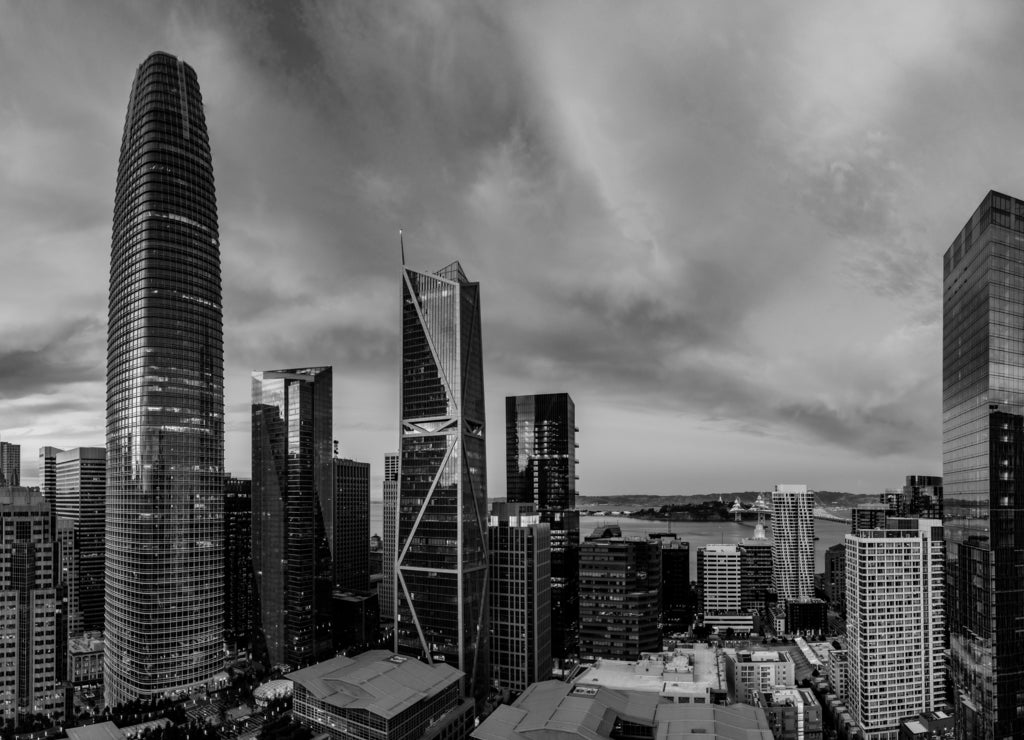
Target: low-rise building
<point x="793" y="714"/>
<point x="552" y="709"/>
<point x="748" y="672"/>
<point x="378" y="695"/>
<point x="687" y="675"/>
<point x="85" y="660"/>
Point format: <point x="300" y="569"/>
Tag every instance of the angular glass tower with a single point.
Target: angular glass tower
<point x="540" y="469"/>
<point x="292" y="512"/>
<point x="983" y="467"/>
<point x="441" y="543"/>
<point x="164" y="579"/>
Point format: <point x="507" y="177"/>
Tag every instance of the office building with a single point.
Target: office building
<point x="806" y="616"/>
<point x="869" y="516"/>
<point x="552" y="709"/>
<point x="441" y="548"/>
<point x="33" y="634"/>
<point x="66" y="536"/>
<point x="378" y="695"/>
<point x="164" y="620"/>
<point x="720" y="585"/>
<point x="749" y="671"/>
<point x="620" y="598"/>
<point x="293" y="508"/>
<point x="675" y="581"/>
<point x="982" y="359"/>
<point x="351" y="525"/>
<point x="895" y="629"/>
<point x="48" y="473"/>
<point x="10" y="464"/>
<point x="755" y="572"/>
<point x="793" y="542"/>
<point x="792" y="713"/>
<point x="540" y="469"/>
<point x="85" y="661"/>
<point x="240" y="606"/>
<point x="920" y="496"/>
<point x="835" y="576"/>
<point x="81" y="490"/>
<point x="390" y="523"/>
<point x="520" y="596"/>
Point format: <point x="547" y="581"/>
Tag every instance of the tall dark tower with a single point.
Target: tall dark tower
<point x="164" y="582"/>
<point x="983" y="467"/>
<point x="441" y="547"/>
<point x="540" y="469"/>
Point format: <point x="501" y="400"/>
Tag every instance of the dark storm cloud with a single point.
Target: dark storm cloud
<point x="718" y="226"/>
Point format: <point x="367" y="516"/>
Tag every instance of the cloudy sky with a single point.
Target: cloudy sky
<point x="718" y="226"/>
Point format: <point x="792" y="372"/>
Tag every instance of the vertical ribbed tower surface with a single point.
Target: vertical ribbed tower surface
<point x="164" y="610"/>
<point x="441" y="543"/>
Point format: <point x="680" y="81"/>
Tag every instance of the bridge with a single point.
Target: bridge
<point x="821" y="513"/>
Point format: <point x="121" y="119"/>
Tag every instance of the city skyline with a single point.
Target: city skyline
<point x="742" y="252"/>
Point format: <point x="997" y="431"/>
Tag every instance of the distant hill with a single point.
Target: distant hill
<point x="634" y="501"/>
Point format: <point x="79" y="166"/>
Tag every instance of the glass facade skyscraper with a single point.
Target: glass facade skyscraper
<point x="164" y="582"/>
<point x="293" y="508"/>
<point x="540" y="469"/>
<point x="983" y="466"/>
<point x="441" y="560"/>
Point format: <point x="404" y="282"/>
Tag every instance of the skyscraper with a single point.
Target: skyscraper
<point x="390" y="491"/>
<point x="895" y="628"/>
<point x="793" y="542"/>
<point x="48" y="473"/>
<point x="351" y="525"/>
<point x="520" y="596"/>
<point x="620" y="598"/>
<point x="240" y="607"/>
<point x="720" y="584"/>
<point x="441" y="547"/>
<point x="540" y="467"/>
<point x="165" y="397"/>
<point x="10" y="464"/>
<point x="293" y="510"/>
<point x="983" y="466"/>
<point x="81" y="497"/>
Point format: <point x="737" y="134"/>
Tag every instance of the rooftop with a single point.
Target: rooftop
<point x="552" y="710"/>
<point x="378" y="681"/>
<point x="686" y="671"/>
<point x="98" y="731"/>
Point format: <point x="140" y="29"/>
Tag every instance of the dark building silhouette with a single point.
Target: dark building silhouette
<point x="240" y="607"/>
<point x="983" y="469"/>
<point x="755" y="572"/>
<point x="389" y="487"/>
<point x="10" y="464"/>
<point x="835" y="576"/>
<point x="293" y="505"/>
<point x="520" y="596"/>
<point x="540" y="468"/>
<point x="675" y="580"/>
<point x="921" y="496"/>
<point x="351" y="525"/>
<point x="441" y="547"/>
<point x="868" y="516"/>
<point x="164" y="617"/>
<point x="620" y="598"/>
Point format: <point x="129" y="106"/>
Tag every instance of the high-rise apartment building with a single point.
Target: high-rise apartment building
<point x="520" y="596"/>
<point x="351" y="525"/>
<point x="793" y="542"/>
<point x="895" y="628"/>
<point x="293" y="510"/>
<point x="390" y="523"/>
<point x="81" y="492"/>
<point x="240" y="607"/>
<point x="983" y="467"/>
<point x="33" y="634"/>
<point x="48" y="473"/>
<point x="164" y="617"/>
<point x="10" y="464"/>
<point x="540" y="467"/>
<point x="620" y="598"/>
<point x="441" y="546"/>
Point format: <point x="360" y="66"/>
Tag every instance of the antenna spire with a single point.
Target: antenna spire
<point x="401" y="242"/>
